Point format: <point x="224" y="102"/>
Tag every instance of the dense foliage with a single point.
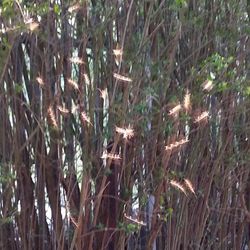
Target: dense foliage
<point x="124" y="124"/>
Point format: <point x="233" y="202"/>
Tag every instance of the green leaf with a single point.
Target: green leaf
<point x="180" y="3"/>
<point x="247" y="91"/>
<point x="170" y="211"/>
<point x="18" y="88"/>
<point x="57" y="9"/>
<point x="222" y="86"/>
